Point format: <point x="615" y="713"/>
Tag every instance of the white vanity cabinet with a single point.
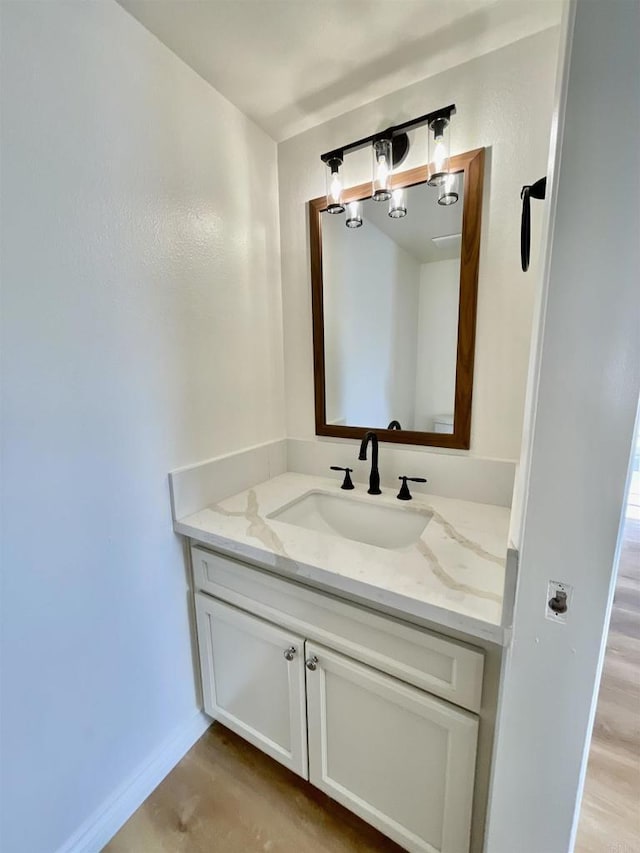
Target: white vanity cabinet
<point x="253" y="680"/>
<point x="337" y="694"/>
<point x="400" y="759"/>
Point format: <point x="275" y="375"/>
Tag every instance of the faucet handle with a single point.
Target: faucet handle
<point x="347" y="484"/>
<point x="404" y="494"/>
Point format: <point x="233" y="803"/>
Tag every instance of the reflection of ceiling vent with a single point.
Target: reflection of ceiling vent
<point x="447" y="241"/>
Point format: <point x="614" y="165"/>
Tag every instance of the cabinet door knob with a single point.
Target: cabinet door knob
<point x="312" y="663"/>
<point x="290" y="653"/>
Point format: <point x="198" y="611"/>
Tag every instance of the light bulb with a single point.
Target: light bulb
<point x="354" y="217"/>
<point x="336" y="187"/>
<point x="438" y="150"/>
<point x="447" y="194"/>
<point x="439" y="155"/>
<point x="382" y="167"/>
<point x="397" y="207"/>
<point x="382" y="170"/>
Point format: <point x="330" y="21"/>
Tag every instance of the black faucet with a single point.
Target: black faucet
<point x="374" y="477"/>
<point x="394" y="425"/>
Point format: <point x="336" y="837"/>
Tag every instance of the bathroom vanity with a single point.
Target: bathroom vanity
<point x="355" y="636"/>
<point x="348" y="636"/>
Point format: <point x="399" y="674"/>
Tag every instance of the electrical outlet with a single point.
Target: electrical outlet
<point x="558" y="601"/>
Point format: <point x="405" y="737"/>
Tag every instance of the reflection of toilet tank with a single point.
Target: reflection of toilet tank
<point x="443" y="423"/>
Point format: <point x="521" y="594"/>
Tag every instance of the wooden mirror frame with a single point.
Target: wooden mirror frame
<point x="472" y="164"/>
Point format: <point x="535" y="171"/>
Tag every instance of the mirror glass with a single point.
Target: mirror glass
<point x="391" y="293"/>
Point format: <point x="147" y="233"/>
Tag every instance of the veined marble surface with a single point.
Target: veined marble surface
<point x="454" y="575"/>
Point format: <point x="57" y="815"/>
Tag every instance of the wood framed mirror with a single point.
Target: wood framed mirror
<point x="394" y="309"/>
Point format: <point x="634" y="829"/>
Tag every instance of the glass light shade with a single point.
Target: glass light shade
<point x="334" y="186"/>
<point x="354" y="216"/>
<point x="397" y="207"/>
<point x="439" y="147"/>
<point x="382" y="168"/>
<point x="447" y="191"/>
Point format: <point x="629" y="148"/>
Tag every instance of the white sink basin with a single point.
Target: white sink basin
<point x="352" y="518"/>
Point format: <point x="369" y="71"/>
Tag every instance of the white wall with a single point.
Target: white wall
<point x="583" y="404"/>
<point x="141" y="328"/>
<point x="371" y="310"/>
<point x="437" y="340"/>
<point x="504" y="101"/>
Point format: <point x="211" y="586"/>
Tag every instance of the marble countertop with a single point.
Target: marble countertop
<point x="453" y="576"/>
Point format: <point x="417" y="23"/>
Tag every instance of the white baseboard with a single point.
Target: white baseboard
<point x="103" y="824"/>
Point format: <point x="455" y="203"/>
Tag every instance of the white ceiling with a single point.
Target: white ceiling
<point x="425" y="219"/>
<point x="292" y="64"/>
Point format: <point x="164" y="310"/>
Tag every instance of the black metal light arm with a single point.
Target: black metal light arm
<point x="389" y="133"/>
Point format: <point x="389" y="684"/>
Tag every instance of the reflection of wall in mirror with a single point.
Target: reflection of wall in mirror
<point x="371" y="299"/>
<point x="437" y="345"/>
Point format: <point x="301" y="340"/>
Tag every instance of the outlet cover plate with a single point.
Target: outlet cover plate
<point x="553" y="588"/>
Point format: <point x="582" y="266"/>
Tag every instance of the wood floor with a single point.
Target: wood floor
<point x="227" y="797"/>
<point x="610" y="816"/>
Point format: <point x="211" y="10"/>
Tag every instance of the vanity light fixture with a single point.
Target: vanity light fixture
<point x="397" y="207"/>
<point x="446" y="192"/>
<point x="382" y="166"/>
<point x="334" y="183"/>
<point x="354" y="216"/>
<point x="389" y="149"/>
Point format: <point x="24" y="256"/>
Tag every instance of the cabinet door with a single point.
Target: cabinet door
<point x="401" y="759"/>
<point x="253" y="680"/>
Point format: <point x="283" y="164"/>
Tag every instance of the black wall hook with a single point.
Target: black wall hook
<point x="529" y="191"/>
